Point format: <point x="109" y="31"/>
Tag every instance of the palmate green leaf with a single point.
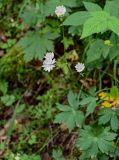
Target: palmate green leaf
<point x="108" y="115"/>
<point x="72" y="100"/>
<point x="89" y="103"/>
<point x="91" y="107"/>
<point x="105" y="118"/>
<point x="70" y="115"/>
<point x="78" y="18"/>
<point x="87" y="100"/>
<point x="92" y="6"/>
<point x="104" y="146"/>
<point x="29" y="15"/>
<point x="72" y="118"/>
<point x="35" y="45"/>
<point x="94" y="140"/>
<point x="63" y="107"/>
<point x="93" y="150"/>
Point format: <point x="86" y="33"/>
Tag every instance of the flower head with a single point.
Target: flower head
<point x="60" y="11"/>
<point x="49" y="62"/>
<point x="79" y="67"/>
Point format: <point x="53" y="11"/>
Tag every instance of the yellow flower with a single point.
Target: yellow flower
<point x="105" y="104"/>
<point x="117" y="101"/>
<point x="102" y="95"/>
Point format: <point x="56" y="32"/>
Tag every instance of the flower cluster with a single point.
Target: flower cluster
<point x="108" y="100"/>
<point x="60" y="11"/>
<point x="49" y="63"/>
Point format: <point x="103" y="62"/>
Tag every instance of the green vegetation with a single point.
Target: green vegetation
<point x="59" y="80"/>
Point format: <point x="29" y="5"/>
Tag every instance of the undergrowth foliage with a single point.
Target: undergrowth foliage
<point x="59" y="74"/>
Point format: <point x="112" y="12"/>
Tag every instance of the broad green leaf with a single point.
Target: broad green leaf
<point x="114" y="92"/>
<point x="92" y="6"/>
<point x="96" y="50"/>
<point x="76" y="19"/>
<point x="113" y="24"/>
<point x="71" y="3"/>
<point x="96" y="24"/>
<point x="112" y="7"/>
<point x="35" y="45"/>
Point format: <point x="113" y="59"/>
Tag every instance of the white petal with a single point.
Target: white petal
<point x="60" y="11"/>
<point x="79" y="67"/>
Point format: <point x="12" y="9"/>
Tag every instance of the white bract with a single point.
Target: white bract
<point x="60" y="11"/>
<point x="49" y="62"/>
<point x="79" y="67"/>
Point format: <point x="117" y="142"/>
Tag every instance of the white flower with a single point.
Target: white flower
<point x="49" y="62"/>
<point x="60" y="11"/>
<point x="79" y="67"/>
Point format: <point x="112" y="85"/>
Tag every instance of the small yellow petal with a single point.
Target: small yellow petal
<point x="102" y="95"/>
<point x="105" y="104"/>
<point x="117" y="101"/>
